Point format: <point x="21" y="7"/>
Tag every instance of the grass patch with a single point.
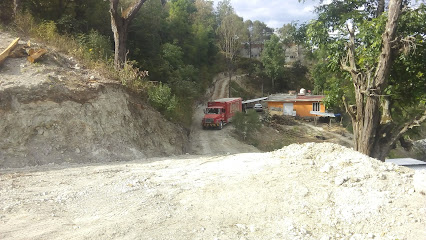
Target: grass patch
<point x="237" y="90"/>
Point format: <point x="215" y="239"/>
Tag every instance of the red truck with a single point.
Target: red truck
<point x="220" y="112"/>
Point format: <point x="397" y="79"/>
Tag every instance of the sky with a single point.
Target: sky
<point x="275" y="13"/>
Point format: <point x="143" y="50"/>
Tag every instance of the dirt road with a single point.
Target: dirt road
<point x="215" y="142"/>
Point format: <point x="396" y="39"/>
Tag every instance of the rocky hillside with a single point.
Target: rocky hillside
<point x="57" y="111"/>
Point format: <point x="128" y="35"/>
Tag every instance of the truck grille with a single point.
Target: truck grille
<point x="208" y="120"/>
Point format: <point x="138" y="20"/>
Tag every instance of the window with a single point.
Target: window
<point x="316" y="106"/>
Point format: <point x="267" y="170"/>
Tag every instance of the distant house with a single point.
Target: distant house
<point x="301" y="105"/>
<point x="252" y="52"/>
<point x="293" y="53"/>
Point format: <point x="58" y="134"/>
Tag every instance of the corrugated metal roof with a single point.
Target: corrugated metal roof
<point x="295" y="98"/>
<point x="255" y="100"/>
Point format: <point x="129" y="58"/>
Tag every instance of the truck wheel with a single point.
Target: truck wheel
<point x="220" y="125"/>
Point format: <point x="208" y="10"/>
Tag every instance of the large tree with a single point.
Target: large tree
<point x="365" y="46"/>
<point x="231" y="36"/>
<point x="273" y="58"/>
<point x="120" y="21"/>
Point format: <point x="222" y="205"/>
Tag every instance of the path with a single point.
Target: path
<point x="215" y="142"/>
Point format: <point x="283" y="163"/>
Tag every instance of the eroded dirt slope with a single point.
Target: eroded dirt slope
<point x="56" y="111"/>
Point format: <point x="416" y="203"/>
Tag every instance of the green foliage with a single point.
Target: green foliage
<point x="95" y="46"/>
<point x="173" y="56"/>
<point x="295" y="77"/>
<point x="25" y="23"/>
<point x="47" y="30"/>
<point x="273" y="58"/>
<point x="184" y="82"/>
<point x="237" y="90"/>
<point x="231" y="33"/>
<point x="224" y="8"/>
<point x="246" y="124"/>
<point x="6" y="11"/>
<point x="71" y="16"/>
<point x="260" y="32"/>
<point x="251" y="66"/>
<point x="174" y="40"/>
<point x="180" y="21"/>
<point x="130" y="76"/>
<point x="162" y="99"/>
<point x="407" y="71"/>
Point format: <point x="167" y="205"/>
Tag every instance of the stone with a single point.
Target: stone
<point x="419" y="181"/>
<point x="326" y="168"/>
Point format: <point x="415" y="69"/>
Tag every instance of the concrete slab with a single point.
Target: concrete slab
<point x="408" y="162"/>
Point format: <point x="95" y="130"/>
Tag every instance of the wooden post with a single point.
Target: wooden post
<point x="8" y="50"/>
<point x="36" y="55"/>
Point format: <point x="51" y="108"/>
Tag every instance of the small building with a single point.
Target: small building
<point x="301" y="105"/>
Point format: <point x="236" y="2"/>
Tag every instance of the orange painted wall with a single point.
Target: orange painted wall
<point x="275" y="108"/>
<point x="302" y="108"/>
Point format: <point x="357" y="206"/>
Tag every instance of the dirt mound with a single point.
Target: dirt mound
<point x="57" y="111"/>
<point x="283" y="120"/>
<point x="309" y="191"/>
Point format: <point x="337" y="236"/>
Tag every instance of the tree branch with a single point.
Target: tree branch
<point x="385" y="59"/>
<point x="409" y="125"/>
<point x="131" y="11"/>
<point x="349" y="110"/>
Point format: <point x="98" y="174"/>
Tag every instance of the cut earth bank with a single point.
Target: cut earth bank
<point x="56" y="111"/>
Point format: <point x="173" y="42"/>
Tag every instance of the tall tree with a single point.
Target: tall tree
<point x="287" y="33"/>
<point x="365" y="46"/>
<point x="273" y="58"/>
<point x="231" y="34"/>
<point x="261" y="32"/>
<point x="224" y="8"/>
<point x="203" y="29"/>
<point x="248" y="25"/>
<point x="120" y="22"/>
<point x="258" y="32"/>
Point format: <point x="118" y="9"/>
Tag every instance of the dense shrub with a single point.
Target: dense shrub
<point x="246" y="124"/>
<point x="162" y="99"/>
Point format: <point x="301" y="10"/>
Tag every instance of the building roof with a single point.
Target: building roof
<point x="225" y="99"/>
<point x="408" y="162"/>
<point x="295" y="98"/>
<point x="255" y="100"/>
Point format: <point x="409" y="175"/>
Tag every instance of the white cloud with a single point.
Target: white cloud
<point x="275" y="13"/>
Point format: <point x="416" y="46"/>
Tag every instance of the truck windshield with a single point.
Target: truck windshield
<point x="212" y="110"/>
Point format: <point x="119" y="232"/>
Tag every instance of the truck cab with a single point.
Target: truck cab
<point x="214" y="117"/>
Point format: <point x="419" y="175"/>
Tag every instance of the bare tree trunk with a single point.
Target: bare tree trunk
<point x="16" y="7"/>
<point x="250" y="47"/>
<point x="369" y="135"/>
<point x="230" y="76"/>
<point x="120" y="26"/>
